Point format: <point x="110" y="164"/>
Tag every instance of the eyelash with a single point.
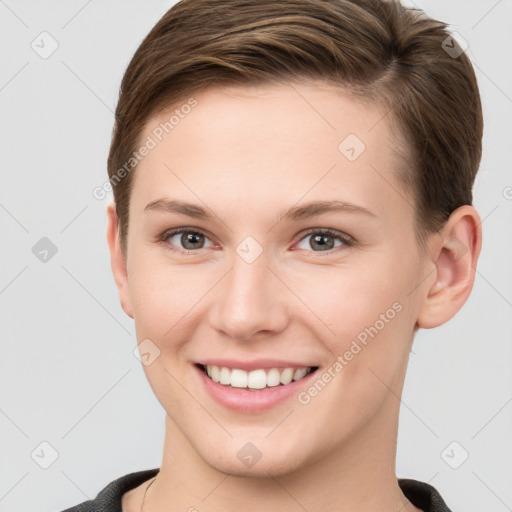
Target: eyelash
<point x="347" y="240"/>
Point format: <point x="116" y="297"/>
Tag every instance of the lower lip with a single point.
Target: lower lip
<point x="243" y="400"/>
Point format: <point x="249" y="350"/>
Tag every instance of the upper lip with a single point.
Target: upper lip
<point x="253" y="364"/>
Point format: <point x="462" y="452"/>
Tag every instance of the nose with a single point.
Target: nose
<point x="251" y="301"/>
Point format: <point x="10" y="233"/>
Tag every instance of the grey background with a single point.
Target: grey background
<point x="68" y="374"/>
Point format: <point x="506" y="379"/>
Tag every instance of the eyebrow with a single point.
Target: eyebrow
<point x="295" y="213"/>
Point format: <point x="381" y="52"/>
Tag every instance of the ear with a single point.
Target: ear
<point x="117" y="261"/>
<point x="455" y="255"/>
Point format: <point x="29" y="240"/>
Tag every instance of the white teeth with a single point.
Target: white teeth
<point x="299" y="373"/>
<point x="287" y="376"/>
<point x="256" y="379"/>
<point x="238" y="378"/>
<point x="224" y="376"/>
<point x="215" y="373"/>
<point x="273" y="377"/>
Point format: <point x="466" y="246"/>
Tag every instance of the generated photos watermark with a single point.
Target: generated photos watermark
<point x="361" y="341"/>
<point x="157" y="135"/>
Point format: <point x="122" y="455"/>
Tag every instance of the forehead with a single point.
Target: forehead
<point x="290" y="110"/>
<point x="261" y="143"/>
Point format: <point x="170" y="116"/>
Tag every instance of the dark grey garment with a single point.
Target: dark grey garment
<point x="420" y="494"/>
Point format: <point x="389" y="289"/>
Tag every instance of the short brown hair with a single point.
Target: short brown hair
<point x="377" y="49"/>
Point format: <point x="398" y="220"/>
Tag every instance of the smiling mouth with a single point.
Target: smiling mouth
<point x="256" y="379"/>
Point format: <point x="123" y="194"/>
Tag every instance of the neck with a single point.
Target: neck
<point x="356" y="476"/>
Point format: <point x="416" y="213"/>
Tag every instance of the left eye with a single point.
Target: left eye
<point x="323" y="239"/>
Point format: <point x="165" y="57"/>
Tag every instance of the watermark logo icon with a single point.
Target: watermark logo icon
<point x="249" y="249"/>
<point x="351" y="147"/>
<point x="454" y="45"/>
<point x="248" y="455"/>
<point x="455" y="455"/>
<point x="44" y="250"/>
<point x="44" y="455"/>
<point x="146" y="352"/>
<point x="45" y="45"/>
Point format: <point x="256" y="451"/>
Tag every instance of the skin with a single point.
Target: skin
<point x="247" y="154"/>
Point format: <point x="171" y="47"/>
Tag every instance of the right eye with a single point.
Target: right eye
<point x="190" y="239"/>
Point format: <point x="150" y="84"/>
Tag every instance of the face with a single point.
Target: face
<point x="251" y="275"/>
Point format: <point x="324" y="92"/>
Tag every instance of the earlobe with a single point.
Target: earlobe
<point x="455" y="258"/>
<point x="117" y="261"/>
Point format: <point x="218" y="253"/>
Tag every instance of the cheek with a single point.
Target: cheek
<point x="370" y="351"/>
<point x="163" y="294"/>
<point x="369" y="320"/>
<point x="350" y="299"/>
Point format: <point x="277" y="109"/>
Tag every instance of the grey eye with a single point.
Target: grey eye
<point x="189" y="240"/>
<point x="320" y="241"/>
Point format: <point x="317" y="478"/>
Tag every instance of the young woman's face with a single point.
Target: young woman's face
<point x="246" y="286"/>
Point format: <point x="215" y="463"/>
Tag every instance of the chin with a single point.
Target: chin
<point x="262" y="469"/>
<point x="274" y="464"/>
